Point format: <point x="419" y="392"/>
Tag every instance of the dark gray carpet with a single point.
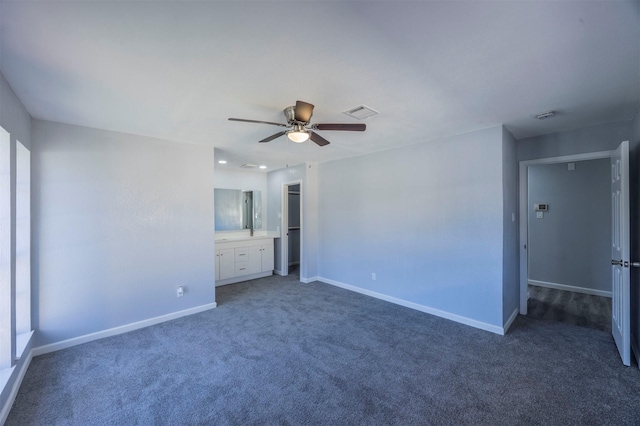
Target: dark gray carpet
<point x="279" y="352"/>
<point x="581" y="309"/>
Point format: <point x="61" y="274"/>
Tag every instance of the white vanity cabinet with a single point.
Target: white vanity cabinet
<point x="225" y="264"/>
<point x="261" y="258"/>
<point x="267" y="257"/>
<point x="243" y="259"/>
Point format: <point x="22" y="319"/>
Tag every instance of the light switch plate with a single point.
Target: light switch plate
<point x="539" y="215"/>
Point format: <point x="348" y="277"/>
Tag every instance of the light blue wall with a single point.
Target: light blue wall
<point x="511" y="264"/>
<point x="240" y="179"/>
<point x="120" y="221"/>
<point x="427" y="219"/>
<point x="307" y="173"/>
<point x="15" y="119"/>
<point x="571" y="244"/>
<point x="604" y="137"/>
<point x="275" y="180"/>
<point x="310" y="220"/>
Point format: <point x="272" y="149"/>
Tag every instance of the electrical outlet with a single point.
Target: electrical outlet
<point x="180" y="291"/>
<point x="373" y="276"/>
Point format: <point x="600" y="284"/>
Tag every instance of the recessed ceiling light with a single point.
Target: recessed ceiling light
<point x="222" y="161"/>
<point x="263" y="166"/>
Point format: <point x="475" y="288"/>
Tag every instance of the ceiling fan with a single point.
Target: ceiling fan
<point x="300" y="130"/>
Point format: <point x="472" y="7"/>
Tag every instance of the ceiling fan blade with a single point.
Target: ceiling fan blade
<point x="354" y="127"/>
<point x="272" y="137"/>
<point x="318" y="139"/>
<point x="303" y="111"/>
<point x="257" y="121"/>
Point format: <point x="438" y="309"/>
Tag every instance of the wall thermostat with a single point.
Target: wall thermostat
<point x="541" y="207"/>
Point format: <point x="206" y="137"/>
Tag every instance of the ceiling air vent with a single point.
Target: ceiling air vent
<point x="249" y="166"/>
<point x="361" y="112"/>
<point x="544" y="115"/>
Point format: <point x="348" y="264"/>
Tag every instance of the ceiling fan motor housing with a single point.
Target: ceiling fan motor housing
<point x="290" y="114"/>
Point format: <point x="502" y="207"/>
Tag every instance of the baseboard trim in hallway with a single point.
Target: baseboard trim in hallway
<point x="565" y="287"/>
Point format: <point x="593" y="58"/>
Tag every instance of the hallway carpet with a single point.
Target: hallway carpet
<point x="278" y="352"/>
<point x="581" y="309"/>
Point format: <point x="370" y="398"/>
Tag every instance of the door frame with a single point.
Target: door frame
<point x="523" y="209"/>
<point x="284" y="226"/>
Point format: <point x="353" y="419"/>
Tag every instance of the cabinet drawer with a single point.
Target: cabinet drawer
<point x="242" y="254"/>
<point x="242" y="268"/>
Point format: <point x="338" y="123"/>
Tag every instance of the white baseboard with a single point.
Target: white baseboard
<point x="510" y="321"/>
<point x="15" y="387"/>
<point x="426" y="309"/>
<point x="40" y="350"/>
<point x="566" y="287"/>
<point x="310" y="280"/>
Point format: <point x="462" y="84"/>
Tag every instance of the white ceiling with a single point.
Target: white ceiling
<point x="178" y="70"/>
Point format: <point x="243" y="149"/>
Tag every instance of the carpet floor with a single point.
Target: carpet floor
<point x="581" y="309"/>
<point x="279" y="352"/>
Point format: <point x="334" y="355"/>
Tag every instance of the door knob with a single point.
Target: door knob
<point x="617" y="263"/>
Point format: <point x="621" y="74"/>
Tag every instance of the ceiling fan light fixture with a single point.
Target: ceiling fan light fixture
<point x="298" y="136"/>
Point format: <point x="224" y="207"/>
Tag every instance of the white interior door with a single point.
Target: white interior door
<point x="620" y="303"/>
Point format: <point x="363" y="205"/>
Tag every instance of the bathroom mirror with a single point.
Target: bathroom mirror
<point x="237" y="209"/>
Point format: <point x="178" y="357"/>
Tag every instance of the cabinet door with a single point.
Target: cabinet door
<point x="227" y="264"/>
<point x="267" y="257"/>
<point x="255" y="259"/>
<point x="217" y="265"/>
